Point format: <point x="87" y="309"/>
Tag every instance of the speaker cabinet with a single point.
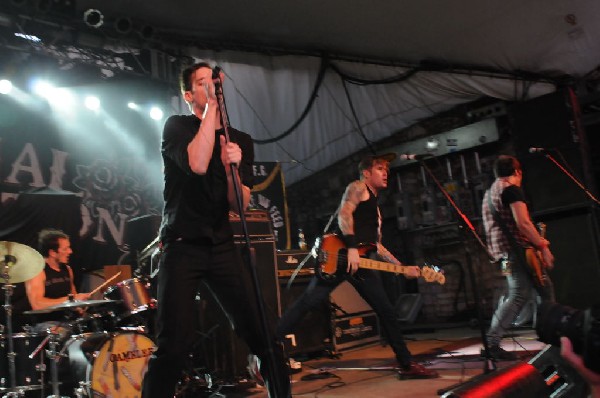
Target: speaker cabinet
<point x="574" y="242"/>
<point x="348" y="301"/>
<point x="313" y="334"/>
<point x="264" y="254"/>
<point x="551" y="121"/>
<point x="219" y="349"/>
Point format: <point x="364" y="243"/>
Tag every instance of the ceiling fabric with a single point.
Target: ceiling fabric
<point x="268" y="94"/>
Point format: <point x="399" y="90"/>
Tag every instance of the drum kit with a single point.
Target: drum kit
<point x="101" y="349"/>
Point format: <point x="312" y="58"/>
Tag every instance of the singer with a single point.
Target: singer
<point x="195" y="234"/>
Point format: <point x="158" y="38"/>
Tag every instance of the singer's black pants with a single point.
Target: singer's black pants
<point x="183" y="267"/>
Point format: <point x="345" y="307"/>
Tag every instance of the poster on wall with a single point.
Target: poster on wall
<point x="268" y="194"/>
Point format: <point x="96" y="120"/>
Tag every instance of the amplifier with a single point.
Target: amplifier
<point x="257" y="221"/>
<point x="288" y="261"/>
<point x="355" y="331"/>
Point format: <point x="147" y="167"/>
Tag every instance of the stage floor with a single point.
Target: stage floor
<point x="366" y="372"/>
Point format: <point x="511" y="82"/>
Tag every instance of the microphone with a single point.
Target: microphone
<point x="413" y="156"/>
<point x="215" y="73"/>
<point x="537" y="150"/>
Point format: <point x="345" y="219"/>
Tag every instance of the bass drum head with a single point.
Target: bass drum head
<point x="120" y="366"/>
<point x="116" y="366"/>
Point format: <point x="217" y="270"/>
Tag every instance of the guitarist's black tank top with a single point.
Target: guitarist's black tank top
<point x="366" y="220"/>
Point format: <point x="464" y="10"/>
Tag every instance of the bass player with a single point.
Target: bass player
<point x="359" y="221"/>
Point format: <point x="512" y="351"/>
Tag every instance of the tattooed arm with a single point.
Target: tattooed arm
<point x="355" y="193"/>
<point x="412" y="270"/>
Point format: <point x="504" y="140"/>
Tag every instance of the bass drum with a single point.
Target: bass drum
<point x="110" y="365"/>
<point x="27" y="371"/>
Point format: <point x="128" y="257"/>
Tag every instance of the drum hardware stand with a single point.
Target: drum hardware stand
<point x="8" y="291"/>
<point x="80" y="392"/>
<point x="53" y="340"/>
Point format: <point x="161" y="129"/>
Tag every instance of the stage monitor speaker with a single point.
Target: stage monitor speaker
<point x="575" y="244"/>
<point x="545" y="375"/>
<point x="551" y="122"/>
<point x="313" y="334"/>
<point x="408" y="306"/>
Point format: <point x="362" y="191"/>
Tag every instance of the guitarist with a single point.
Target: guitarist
<point x="510" y="232"/>
<point x="359" y="221"/>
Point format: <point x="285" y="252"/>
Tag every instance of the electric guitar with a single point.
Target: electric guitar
<point x="534" y="259"/>
<point x="332" y="261"/>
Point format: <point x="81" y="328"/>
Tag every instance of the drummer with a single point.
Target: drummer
<point x="55" y="284"/>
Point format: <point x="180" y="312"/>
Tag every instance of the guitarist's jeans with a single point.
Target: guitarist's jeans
<point x="369" y="285"/>
<point x="520" y="285"/>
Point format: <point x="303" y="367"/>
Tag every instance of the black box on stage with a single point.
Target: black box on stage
<point x="355" y="330"/>
<point x="313" y="333"/>
<point x="289" y="260"/>
<point x="257" y="221"/>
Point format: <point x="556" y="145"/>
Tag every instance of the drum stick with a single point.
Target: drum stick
<point x="105" y="283"/>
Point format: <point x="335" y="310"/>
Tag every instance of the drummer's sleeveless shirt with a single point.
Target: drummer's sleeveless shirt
<point x="58" y="283"/>
<point x="367" y="220"/>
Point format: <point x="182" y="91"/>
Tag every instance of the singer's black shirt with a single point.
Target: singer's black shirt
<point x="196" y="206"/>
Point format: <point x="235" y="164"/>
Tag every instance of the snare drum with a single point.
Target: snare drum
<point x="109" y="365"/>
<point x="134" y="295"/>
<point x="27" y="370"/>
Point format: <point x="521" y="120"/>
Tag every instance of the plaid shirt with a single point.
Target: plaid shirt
<point x="497" y="242"/>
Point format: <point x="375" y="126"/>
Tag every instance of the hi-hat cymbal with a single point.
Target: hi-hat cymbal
<point x="70" y="305"/>
<point x="23" y="262"/>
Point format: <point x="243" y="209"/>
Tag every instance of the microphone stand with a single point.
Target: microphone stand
<point x="489" y="363"/>
<point x="273" y="371"/>
<point x="572" y="177"/>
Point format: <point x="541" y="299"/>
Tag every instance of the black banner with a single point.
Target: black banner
<point x="269" y="194"/>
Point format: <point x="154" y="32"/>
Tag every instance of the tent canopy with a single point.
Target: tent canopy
<point x="300" y="75"/>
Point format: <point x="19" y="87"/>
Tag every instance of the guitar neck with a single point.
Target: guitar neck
<point x="381" y="266"/>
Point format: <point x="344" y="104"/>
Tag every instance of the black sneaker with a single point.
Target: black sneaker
<point x="500" y="354"/>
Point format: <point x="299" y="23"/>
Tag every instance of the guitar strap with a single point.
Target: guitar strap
<point x="517" y="249"/>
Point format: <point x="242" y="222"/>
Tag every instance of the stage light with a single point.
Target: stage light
<point x="146" y="32"/>
<point x="93" y="18"/>
<point x="123" y="25"/>
<point x="61" y="98"/>
<point x="432" y="144"/>
<point x="32" y="38"/>
<point x="43" y="88"/>
<point x="5" y="86"/>
<point x="92" y="103"/>
<point x="133" y="105"/>
<point x="156" y="113"/>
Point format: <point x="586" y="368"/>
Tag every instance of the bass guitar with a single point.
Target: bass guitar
<point x="332" y="261"/>
<point x="533" y="258"/>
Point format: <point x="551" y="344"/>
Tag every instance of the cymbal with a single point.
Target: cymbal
<point x="69" y="305"/>
<point x="23" y="262"/>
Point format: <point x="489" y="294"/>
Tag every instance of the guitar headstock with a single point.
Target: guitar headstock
<point x="433" y="274"/>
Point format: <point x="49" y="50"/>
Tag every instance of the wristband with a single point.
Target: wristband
<point x="350" y="241"/>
